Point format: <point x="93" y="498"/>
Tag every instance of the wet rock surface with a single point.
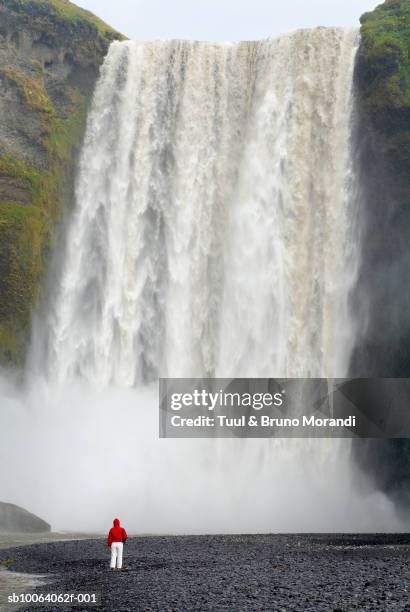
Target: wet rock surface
<point x="250" y="572"/>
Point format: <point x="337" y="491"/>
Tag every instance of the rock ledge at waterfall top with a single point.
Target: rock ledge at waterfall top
<point x="14" y="519"/>
<point x="50" y="53"/>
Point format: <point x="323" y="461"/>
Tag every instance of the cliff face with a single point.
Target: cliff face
<point x="50" y="53"/>
<point x="382" y="296"/>
<point x="383" y="79"/>
<point x="383" y="163"/>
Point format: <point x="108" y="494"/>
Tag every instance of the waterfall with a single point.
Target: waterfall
<point x="213" y="230"/>
<point x="213" y="233"/>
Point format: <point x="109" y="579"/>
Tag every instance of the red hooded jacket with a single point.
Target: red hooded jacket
<point x="116" y="533"/>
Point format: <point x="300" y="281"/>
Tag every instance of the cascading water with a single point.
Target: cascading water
<point x="213" y="234"/>
<point x="214" y="231"/>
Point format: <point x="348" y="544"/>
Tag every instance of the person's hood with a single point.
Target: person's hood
<point x="116" y="522"/>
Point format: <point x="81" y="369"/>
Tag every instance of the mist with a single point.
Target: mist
<point x="78" y="456"/>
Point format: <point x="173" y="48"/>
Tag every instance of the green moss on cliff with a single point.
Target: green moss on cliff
<point x="40" y="191"/>
<point x="32" y="90"/>
<point x="26" y="231"/>
<point x="70" y="11"/>
<point x="383" y="71"/>
<point x="22" y="232"/>
<point x="66" y="16"/>
<point x="64" y="139"/>
<point x="9" y="166"/>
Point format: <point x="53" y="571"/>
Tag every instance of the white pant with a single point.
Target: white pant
<point x="116" y="555"/>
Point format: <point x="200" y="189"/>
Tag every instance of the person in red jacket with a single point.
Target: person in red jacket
<point x="116" y="539"/>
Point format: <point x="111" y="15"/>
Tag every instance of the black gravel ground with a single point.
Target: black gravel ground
<point x="236" y="573"/>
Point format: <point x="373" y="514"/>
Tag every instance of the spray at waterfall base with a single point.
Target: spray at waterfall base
<point x="172" y="485"/>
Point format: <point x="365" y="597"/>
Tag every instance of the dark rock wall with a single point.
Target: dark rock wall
<point x="382" y="297"/>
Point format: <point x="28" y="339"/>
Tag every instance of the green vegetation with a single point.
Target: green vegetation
<point x="67" y="12"/>
<point x="16" y="168"/>
<point x="26" y="231"/>
<point x="6" y="562"/>
<point x="63" y="140"/>
<point x="22" y="233"/>
<point x="384" y="78"/>
<point x="32" y="90"/>
<point x="33" y="195"/>
<point x="70" y="11"/>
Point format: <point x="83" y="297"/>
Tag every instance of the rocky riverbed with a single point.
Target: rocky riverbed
<point x="236" y="573"/>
